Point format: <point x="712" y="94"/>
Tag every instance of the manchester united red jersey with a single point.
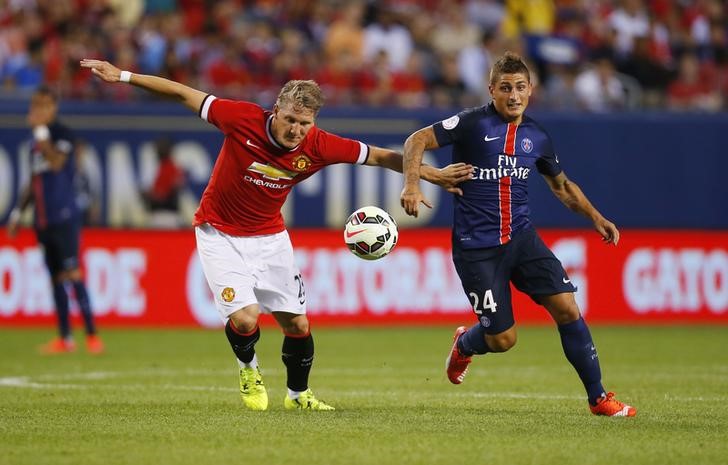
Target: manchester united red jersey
<point x="253" y="174"/>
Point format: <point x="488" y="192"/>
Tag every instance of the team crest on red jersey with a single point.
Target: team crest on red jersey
<point x="301" y="163"/>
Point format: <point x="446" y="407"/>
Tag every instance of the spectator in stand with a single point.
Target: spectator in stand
<point x="598" y="88"/>
<point x="650" y="73"/>
<point x="560" y="91"/>
<point x="26" y="73"/>
<point x="228" y="73"/>
<point x="454" y="31"/>
<point x="337" y="78"/>
<point x="487" y="14"/>
<point x="691" y="91"/>
<point x="385" y="34"/>
<point x="346" y="34"/>
<point x="375" y="81"/>
<point x="628" y="22"/>
<point x="448" y="90"/>
<point x="475" y="62"/>
<point x="408" y="84"/>
<point x="163" y="197"/>
<point x="183" y="39"/>
<point x="525" y="17"/>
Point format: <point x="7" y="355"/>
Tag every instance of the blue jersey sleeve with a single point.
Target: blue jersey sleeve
<point x="63" y="138"/>
<point x="452" y="129"/>
<point x="548" y="163"/>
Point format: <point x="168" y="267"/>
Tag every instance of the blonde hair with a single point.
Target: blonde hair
<point x="301" y="94"/>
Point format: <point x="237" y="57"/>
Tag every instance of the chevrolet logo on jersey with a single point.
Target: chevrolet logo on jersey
<point x="271" y="172"/>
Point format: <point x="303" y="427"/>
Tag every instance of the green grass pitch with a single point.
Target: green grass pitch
<point x="170" y="397"/>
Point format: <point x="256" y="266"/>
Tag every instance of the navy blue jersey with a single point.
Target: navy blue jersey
<point x="54" y="194"/>
<point x="494" y="204"/>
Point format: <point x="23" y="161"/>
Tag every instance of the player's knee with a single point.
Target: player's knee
<point x="298" y="327"/>
<point x="501" y="342"/>
<point x="294" y="326"/>
<point x="562" y="307"/>
<point x="245" y="320"/>
<point x="566" y="313"/>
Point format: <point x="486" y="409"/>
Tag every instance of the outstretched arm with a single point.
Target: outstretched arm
<point x="448" y="177"/>
<point x="414" y="147"/>
<point x="572" y="196"/>
<point x="189" y="97"/>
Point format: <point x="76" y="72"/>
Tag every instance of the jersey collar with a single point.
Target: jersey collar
<point x="272" y="140"/>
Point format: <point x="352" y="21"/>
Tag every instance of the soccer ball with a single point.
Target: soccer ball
<point x="370" y="233"/>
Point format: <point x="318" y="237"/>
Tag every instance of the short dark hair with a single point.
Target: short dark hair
<point x="509" y="63"/>
<point x="46" y="91"/>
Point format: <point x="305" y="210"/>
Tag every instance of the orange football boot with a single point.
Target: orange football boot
<point x="611" y="407"/>
<point x="94" y="345"/>
<point x="57" y="346"/>
<point x="456" y="363"/>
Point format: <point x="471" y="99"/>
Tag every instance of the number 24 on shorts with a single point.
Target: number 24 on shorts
<point x="487" y="303"/>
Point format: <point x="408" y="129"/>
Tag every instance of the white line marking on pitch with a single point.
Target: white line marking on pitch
<point x="45" y="381"/>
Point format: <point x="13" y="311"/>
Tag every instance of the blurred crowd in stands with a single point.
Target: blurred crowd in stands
<point x="593" y="55"/>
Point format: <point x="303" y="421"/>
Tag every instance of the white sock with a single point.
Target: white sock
<point x="251" y="364"/>
<point x="294" y="394"/>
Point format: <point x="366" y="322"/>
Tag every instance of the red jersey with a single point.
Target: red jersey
<point x="253" y="174"/>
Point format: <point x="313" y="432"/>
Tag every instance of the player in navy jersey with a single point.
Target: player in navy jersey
<point x="242" y="242"/>
<point x="494" y="243"/>
<point x="57" y="220"/>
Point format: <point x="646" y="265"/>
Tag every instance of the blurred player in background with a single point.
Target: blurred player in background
<point x="163" y="196"/>
<point x="57" y="220"/>
<point x="244" y="247"/>
<point x="493" y="240"/>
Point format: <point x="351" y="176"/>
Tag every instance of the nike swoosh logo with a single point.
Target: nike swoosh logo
<point x="250" y="143"/>
<point x="352" y="234"/>
<point x="488" y="139"/>
<point x="566" y="281"/>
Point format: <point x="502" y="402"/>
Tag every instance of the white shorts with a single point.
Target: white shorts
<point x="242" y="271"/>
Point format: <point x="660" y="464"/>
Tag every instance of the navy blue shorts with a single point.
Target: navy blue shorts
<point x="486" y="275"/>
<point x="60" y="246"/>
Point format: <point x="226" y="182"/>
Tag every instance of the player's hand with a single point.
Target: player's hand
<point x="102" y="69"/>
<point x="411" y="198"/>
<point x="454" y="174"/>
<point x="608" y="231"/>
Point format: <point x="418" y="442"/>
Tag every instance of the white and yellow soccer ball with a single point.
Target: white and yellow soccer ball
<point x="370" y="233"/>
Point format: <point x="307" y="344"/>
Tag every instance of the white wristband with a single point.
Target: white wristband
<point x="125" y="76"/>
<point x="14" y="216"/>
<point x="41" y="133"/>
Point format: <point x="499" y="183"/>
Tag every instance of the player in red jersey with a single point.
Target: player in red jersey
<point x="244" y="248"/>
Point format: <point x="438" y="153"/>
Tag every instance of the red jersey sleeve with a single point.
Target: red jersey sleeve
<point x="337" y="149"/>
<point x="225" y="114"/>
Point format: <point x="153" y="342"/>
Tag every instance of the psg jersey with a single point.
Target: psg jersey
<point x="54" y="193"/>
<point x="494" y="204"/>
<point x="253" y="174"/>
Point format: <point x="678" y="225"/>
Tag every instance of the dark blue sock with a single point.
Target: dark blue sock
<point x="473" y="341"/>
<point x="79" y="288"/>
<point x="60" y="297"/>
<point x="580" y="351"/>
